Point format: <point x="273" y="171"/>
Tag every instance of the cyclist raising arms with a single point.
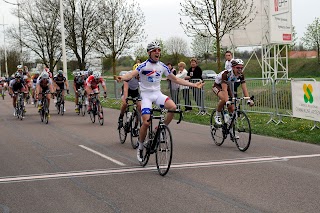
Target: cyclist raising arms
<point x="92" y="86"/>
<point x="222" y="89"/>
<point x="150" y="73"/>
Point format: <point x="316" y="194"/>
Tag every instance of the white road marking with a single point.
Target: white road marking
<point x="102" y="155"/>
<point x="75" y="174"/>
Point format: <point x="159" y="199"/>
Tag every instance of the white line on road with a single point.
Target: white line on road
<point x="75" y="174"/>
<point x="102" y="155"/>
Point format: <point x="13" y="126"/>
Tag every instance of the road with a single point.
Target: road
<point x="73" y="165"/>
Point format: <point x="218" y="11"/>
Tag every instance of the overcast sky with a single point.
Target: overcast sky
<point x="162" y="17"/>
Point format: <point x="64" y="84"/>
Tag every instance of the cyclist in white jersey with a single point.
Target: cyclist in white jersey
<point x="221" y="87"/>
<point x="150" y="73"/>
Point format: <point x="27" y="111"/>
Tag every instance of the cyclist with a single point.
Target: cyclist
<point x="44" y="83"/>
<point x="34" y="79"/>
<point x="78" y="82"/>
<point x="16" y="85"/>
<point x="150" y="73"/>
<point x="129" y="89"/>
<point x="222" y="88"/>
<point x="3" y="85"/>
<point x="59" y="82"/>
<point x="92" y="86"/>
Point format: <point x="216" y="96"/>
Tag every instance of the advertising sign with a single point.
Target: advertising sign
<point x="280" y="21"/>
<point x="306" y="100"/>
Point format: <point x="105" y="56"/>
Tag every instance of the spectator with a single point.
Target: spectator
<point x="228" y="56"/>
<point x="182" y="73"/>
<point x="194" y="75"/>
<point x="172" y="86"/>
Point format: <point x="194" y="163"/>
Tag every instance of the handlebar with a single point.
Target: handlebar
<point x="166" y="110"/>
<point x="132" y="99"/>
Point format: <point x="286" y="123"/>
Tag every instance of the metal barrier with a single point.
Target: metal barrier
<point x="273" y="97"/>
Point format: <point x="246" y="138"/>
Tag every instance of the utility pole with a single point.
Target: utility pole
<point x="63" y="44"/>
<point x="5" y="49"/>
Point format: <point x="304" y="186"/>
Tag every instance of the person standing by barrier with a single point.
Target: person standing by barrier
<point x="173" y="87"/>
<point x="182" y="73"/>
<point x="194" y="75"/>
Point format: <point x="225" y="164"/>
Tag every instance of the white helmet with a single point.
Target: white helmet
<point x="96" y="74"/>
<point x="237" y="61"/>
<point x="153" y="45"/>
<point x="45" y="75"/>
<point x="19" y="66"/>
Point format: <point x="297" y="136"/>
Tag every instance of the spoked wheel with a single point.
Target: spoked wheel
<point x="100" y="115"/>
<point x="146" y="152"/>
<point x="135" y="128"/>
<point x="122" y="134"/>
<point x="62" y="108"/>
<point x="217" y="131"/>
<point x="58" y="107"/>
<point x="164" y="150"/>
<point x="93" y="114"/>
<point x="42" y="115"/>
<point x="83" y="108"/>
<point x="21" y="112"/>
<point x="242" y="131"/>
<point x="46" y="116"/>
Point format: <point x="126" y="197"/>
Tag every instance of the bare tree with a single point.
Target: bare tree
<point x="203" y="46"/>
<point x="218" y="17"/>
<point x="121" y="28"/>
<point x="311" y="38"/>
<point x="176" y="46"/>
<point x="82" y="19"/>
<point x="40" y="31"/>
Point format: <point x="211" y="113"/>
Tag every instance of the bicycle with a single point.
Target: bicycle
<point x="237" y="125"/>
<point x="44" y="111"/>
<point x="159" y="142"/>
<point x="82" y="102"/>
<point x="60" y="102"/>
<point x="132" y="123"/>
<point x="96" y="109"/>
<point x="2" y="92"/>
<point x="19" y="105"/>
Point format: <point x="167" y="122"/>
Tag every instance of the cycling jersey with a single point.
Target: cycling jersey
<point x="226" y="76"/>
<point x="44" y="83"/>
<point x="60" y="81"/>
<point x="150" y="75"/>
<point x="15" y="85"/>
<point x="93" y="83"/>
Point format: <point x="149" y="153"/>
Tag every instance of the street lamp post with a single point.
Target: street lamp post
<point x="5" y="49"/>
<point x="18" y="4"/>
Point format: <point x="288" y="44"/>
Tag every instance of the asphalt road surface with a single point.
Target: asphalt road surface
<point x="73" y="165"/>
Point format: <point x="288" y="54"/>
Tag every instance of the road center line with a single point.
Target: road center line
<point x="74" y="174"/>
<point x="102" y="155"/>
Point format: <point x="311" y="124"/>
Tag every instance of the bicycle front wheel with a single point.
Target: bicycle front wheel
<point x="217" y="131"/>
<point x="93" y="114"/>
<point x="100" y="114"/>
<point x="242" y="131"/>
<point x="62" y="108"/>
<point x="135" y="128"/>
<point x="164" y="150"/>
<point x="83" y="108"/>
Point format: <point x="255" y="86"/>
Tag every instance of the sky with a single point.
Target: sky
<point x="162" y="17"/>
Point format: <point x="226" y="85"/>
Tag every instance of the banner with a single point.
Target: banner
<point x="306" y="99"/>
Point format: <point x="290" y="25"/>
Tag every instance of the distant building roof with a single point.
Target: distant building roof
<point x="303" y="54"/>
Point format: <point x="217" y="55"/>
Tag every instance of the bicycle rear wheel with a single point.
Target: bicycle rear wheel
<point x="164" y="150"/>
<point x="135" y="128"/>
<point x="217" y="131"/>
<point x="242" y="131"/>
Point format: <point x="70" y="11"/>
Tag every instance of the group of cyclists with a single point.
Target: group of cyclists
<point x="143" y="82"/>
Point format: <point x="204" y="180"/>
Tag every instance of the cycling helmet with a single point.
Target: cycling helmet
<point x="96" y="74"/>
<point x="60" y="73"/>
<point x="235" y="62"/>
<point x="19" y="67"/>
<point x="45" y="75"/>
<point x="153" y="45"/>
<point x="37" y="73"/>
<point x="17" y="75"/>
<point x="90" y="72"/>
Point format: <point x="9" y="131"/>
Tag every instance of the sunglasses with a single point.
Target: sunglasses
<point x="239" y="68"/>
<point x="156" y="50"/>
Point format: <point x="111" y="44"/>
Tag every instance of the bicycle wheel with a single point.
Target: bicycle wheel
<point x="21" y="112"/>
<point x="135" y="128"/>
<point x="122" y="134"/>
<point x="45" y="112"/>
<point x="146" y="152"/>
<point x="217" y="131"/>
<point x="93" y="113"/>
<point x="241" y="131"/>
<point x="62" y="108"/>
<point x="164" y="150"/>
<point x="83" y="108"/>
<point x="100" y="114"/>
<point x="42" y="115"/>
